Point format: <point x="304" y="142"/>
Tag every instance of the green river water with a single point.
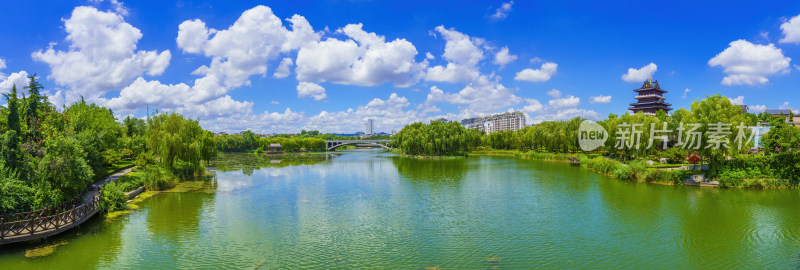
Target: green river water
<point x="371" y="209"/>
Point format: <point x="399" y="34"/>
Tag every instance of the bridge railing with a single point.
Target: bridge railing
<point x="45" y="220"/>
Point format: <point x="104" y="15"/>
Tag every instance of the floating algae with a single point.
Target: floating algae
<point x="494" y="259"/>
<point x="259" y="264"/>
<point x="142" y="197"/>
<point x="193" y="186"/>
<point x="43" y="251"/>
<point x="115" y="214"/>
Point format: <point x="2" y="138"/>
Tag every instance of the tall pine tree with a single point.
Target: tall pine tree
<point x="10" y="140"/>
<point x="34" y="101"/>
<point x="13" y="112"/>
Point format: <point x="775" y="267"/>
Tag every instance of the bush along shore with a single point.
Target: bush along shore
<point x="636" y="171"/>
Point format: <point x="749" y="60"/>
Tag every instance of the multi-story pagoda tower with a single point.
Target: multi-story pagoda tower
<point x="650" y="99"/>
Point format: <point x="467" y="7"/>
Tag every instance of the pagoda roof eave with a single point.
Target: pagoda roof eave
<point x="650" y="107"/>
<point x="650" y="103"/>
<point x="649" y="89"/>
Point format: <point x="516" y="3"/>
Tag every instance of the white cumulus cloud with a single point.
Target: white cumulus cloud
<point x="364" y="59"/>
<point x="463" y="53"/>
<point x="791" y="30"/>
<point x="312" y="90"/>
<point x="737" y="100"/>
<point x="757" y="108"/>
<point x="243" y="49"/>
<point x="503" y="57"/>
<point x="542" y="74"/>
<point x="20" y="79"/>
<point x="479" y="99"/>
<point x="640" y="75"/>
<point x="565" y="102"/>
<point x="555" y="93"/>
<point x="283" y="70"/>
<point x="746" y="63"/>
<point x="503" y="10"/>
<point x="102" y="55"/>
<point x="600" y="99"/>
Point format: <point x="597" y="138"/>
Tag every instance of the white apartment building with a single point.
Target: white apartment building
<point x="503" y="121"/>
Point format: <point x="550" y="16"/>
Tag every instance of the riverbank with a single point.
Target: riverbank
<point x="400" y="152"/>
<point x="636" y="171"/>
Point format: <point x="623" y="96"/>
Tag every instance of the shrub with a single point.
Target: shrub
<point x="679" y="176"/>
<point x="600" y="164"/>
<point x="127" y="154"/>
<point x="144" y="159"/>
<point x="112" y="198"/>
<point x="15" y="196"/>
<point x="782" y="166"/>
<point x="110" y="157"/>
<point x="675" y="155"/>
<point x="157" y="178"/>
<point x="132" y="180"/>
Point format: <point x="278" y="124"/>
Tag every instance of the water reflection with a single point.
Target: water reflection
<point x="365" y="209"/>
<point x="432" y="170"/>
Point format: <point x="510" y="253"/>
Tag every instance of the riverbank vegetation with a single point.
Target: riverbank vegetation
<point x="249" y="142"/>
<point x="49" y="155"/>
<point x="436" y="139"/>
<point x="737" y="164"/>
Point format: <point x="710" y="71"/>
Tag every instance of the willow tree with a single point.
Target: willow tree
<point x="434" y="139"/>
<point x="180" y="144"/>
<point x="714" y="114"/>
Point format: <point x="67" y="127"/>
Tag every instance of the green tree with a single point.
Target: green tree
<point x="10" y="151"/>
<point x="181" y="144"/>
<point x="714" y="110"/>
<point x="10" y="143"/>
<point x="781" y="139"/>
<point x="35" y="100"/>
<point x="64" y="169"/>
<point x="13" y="110"/>
<point x="434" y="139"/>
<point x="96" y="130"/>
<point x="134" y="126"/>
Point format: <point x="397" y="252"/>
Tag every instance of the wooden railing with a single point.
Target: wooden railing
<point x="47" y="221"/>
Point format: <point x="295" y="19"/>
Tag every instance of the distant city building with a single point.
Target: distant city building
<point x="504" y="121"/>
<point x="370" y="127"/>
<point x="650" y="99"/>
<point x="787" y="114"/>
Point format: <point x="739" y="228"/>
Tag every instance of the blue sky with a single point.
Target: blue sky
<point x="283" y="66"/>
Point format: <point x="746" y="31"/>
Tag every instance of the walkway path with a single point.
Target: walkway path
<point x="113" y="177"/>
<point x="48" y="222"/>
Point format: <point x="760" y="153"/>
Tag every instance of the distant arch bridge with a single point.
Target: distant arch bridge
<point x="333" y="144"/>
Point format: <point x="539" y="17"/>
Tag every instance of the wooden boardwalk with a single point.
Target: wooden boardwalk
<point x="51" y="221"/>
